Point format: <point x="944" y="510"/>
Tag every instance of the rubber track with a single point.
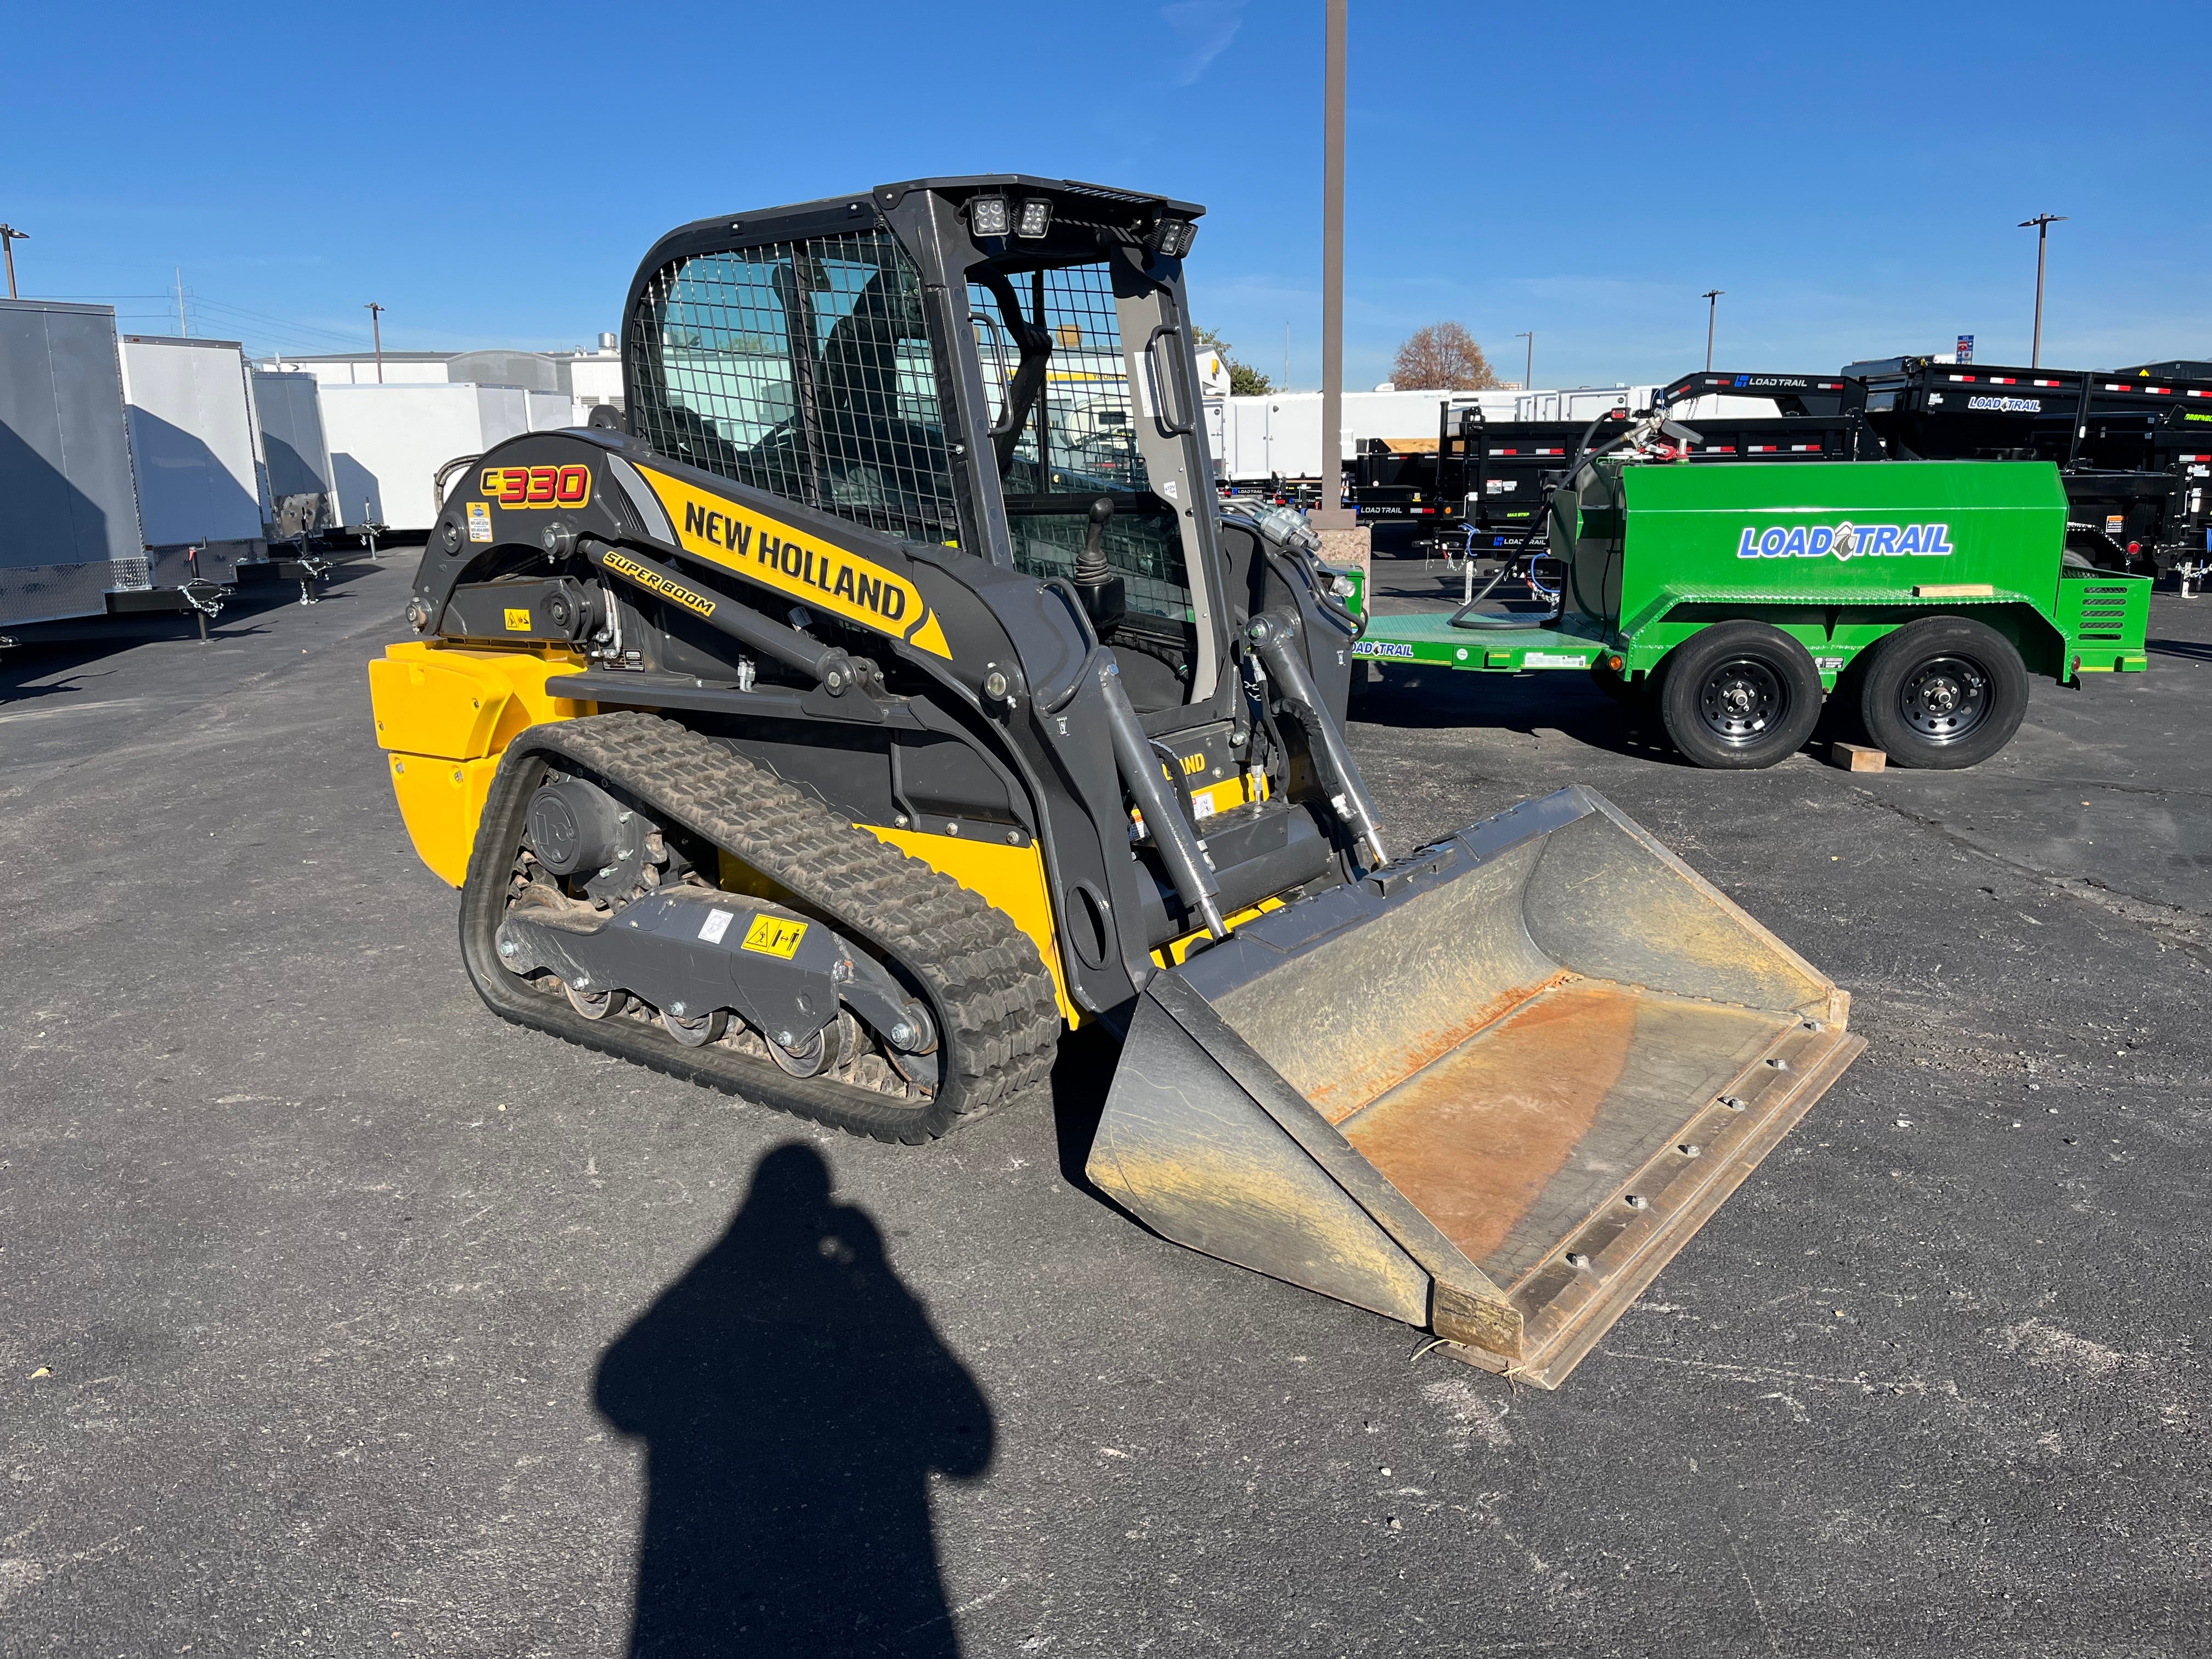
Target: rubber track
<point x="990" y="992"/>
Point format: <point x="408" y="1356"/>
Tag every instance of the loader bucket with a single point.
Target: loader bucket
<point x="1489" y="1091"/>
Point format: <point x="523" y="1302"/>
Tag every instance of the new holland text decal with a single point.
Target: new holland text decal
<point x="1845" y="541"/>
<point x="830" y="578"/>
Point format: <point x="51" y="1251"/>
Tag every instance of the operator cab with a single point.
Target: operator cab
<point x="1000" y="365"/>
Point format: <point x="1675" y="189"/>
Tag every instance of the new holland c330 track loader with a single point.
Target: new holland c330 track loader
<point x="883" y="692"/>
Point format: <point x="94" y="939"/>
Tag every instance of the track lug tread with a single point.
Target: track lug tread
<point x="988" y="984"/>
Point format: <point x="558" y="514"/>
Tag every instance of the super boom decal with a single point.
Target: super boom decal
<point x="828" y="578"/>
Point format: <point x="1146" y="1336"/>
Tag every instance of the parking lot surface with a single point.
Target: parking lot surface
<point x="340" y="1316"/>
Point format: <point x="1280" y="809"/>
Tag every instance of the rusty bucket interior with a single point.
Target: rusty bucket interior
<point x="1489" y="1091"/>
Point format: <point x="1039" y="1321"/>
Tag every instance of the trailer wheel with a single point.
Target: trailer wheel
<point x="1740" y="694"/>
<point x="1943" y="692"/>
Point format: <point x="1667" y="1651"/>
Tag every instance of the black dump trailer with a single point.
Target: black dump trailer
<point x="2133" y="446"/>
<point x="1490" y="476"/>
<point x="1494" y="476"/>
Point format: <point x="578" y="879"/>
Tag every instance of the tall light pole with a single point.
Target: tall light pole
<point x="1529" y="374"/>
<point x="376" y="328"/>
<point x="8" y="237"/>
<point x="2043" y="222"/>
<point x="1331" y="513"/>
<point x="1712" y="299"/>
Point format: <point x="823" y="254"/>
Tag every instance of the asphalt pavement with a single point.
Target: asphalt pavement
<point x="339" y="1317"/>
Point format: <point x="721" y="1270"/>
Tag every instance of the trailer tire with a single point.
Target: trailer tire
<point x="1739" y="695"/>
<point x="1942" y="693"/>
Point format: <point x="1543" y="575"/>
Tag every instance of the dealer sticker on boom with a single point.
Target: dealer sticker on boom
<point x="479" y="521"/>
<point x="773" y="936"/>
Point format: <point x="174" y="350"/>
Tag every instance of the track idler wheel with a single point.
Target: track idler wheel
<point x="830" y="1048"/>
<point x="694" y="1031"/>
<point x="597" y="1004"/>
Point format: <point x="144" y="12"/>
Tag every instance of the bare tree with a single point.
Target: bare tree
<point x="1443" y="357"/>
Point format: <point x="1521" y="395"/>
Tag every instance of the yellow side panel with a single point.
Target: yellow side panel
<point x="1009" y="879"/>
<point x="441" y="800"/>
<point x="462" y="704"/>
<point x="447" y="713"/>
<point x="1171" y="954"/>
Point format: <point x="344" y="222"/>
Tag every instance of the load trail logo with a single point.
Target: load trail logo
<point x="1845" y="541"/>
<point x="830" y="578"/>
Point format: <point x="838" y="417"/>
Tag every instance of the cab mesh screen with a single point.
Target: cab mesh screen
<point x="802" y="369"/>
<point x="1078" y="439"/>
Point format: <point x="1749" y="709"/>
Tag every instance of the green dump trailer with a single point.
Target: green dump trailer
<point x="1738" y="598"/>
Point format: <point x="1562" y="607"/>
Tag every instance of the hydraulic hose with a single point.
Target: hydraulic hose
<point x="1468" y="617"/>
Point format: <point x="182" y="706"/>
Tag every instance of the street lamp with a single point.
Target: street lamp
<point x="1712" y="299"/>
<point x="1529" y="374"/>
<point x="2042" y="222"/>
<point x="376" y="327"/>
<point x="8" y="237"/>
<point x="1331" y="513"/>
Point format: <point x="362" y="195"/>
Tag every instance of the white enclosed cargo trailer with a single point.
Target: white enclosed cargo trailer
<point x="192" y="440"/>
<point x="298" y="493"/>
<point x="68" y="506"/>
<point x="1583" y="402"/>
<point x="389" y="443"/>
<point x="1277" y="435"/>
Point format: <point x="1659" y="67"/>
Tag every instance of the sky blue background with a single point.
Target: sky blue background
<point x="1850" y="173"/>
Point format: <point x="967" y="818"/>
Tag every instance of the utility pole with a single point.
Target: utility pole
<point x="1331" y="513"/>
<point x="8" y="237"/>
<point x="2043" y="222"/>
<point x="1287" y="356"/>
<point x="184" y="323"/>
<point x="1529" y="374"/>
<point x="1712" y="299"/>
<point x="376" y="327"/>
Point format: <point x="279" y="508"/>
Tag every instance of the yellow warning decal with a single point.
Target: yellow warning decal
<point x="518" y="621"/>
<point x="622" y="565"/>
<point x="828" y="578"/>
<point x="773" y="936"/>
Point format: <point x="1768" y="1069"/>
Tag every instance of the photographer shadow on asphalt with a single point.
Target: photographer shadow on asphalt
<point x="794" y="1401"/>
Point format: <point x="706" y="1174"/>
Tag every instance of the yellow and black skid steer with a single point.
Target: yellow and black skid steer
<point x="881" y="691"/>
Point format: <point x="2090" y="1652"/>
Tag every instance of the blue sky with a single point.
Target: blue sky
<point x="1851" y="175"/>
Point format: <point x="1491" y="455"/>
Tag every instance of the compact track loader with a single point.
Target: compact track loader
<point x="882" y="692"/>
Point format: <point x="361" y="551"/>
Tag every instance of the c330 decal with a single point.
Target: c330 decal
<point x="538" y="486"/>
<point x="807" y="568"/>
